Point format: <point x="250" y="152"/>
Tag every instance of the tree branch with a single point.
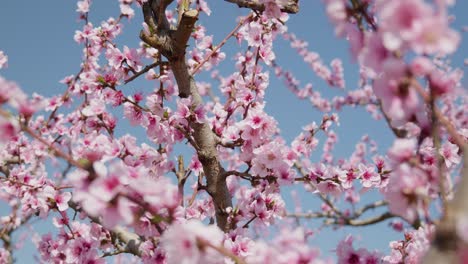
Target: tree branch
<point x="369" y="221"/>
<point x="144" y="70"/>
<point x="446" y="241"/>
<point x="132" y="241"/>
<point x="172" y="44"/>
<point x="242" y="22"/>
<point x="291" y="7"/>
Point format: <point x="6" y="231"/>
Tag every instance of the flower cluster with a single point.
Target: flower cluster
<point x="112" y="152"/>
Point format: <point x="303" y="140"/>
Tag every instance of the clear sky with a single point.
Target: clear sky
<point x="37" y="36"/>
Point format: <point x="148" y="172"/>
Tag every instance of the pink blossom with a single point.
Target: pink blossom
<point x="3" y="60"/>
<point x="329" y="187"/>
<point x="348" y="255"/>
<point x="414" y="249"/>
<point x="124" y="187"/>
<point x="399" y="100"/>
<point x="205" y="43"/>
<point x="449" y="152"/>
<point x="106" y="187"/>
<point x="61" y="199"/>
<point x="337" y="77"/>
<point x="195" y="165"/>
<point x="336" y="10"/>
<point x="127" y="11"/>
<point x="435" y="37"/>
<point x="132" y="59"/>
<point x="181" y="243"/>
<point x="290" y="246"/>
<point x="5" y="256"/>
<point x="134" y="114"/>
<point x="406" y="190"/>
<point x="8" y="129"/>
<point x="368" y="176"/>
<point x="204" y="7"/>
<point x="347" y="178"/>
<point x="402" y="150"/>
<point x="152" y="254"/>
<point x="83" y="6"/>
<point x="115" y="57"/>
<point x="442" y="83"/>
<point x="96" y="107"/>
<point x="120" y="211"/>
<point x="9" y="91"/>
<point x="401" y="20"/>
<point x="421" y="66"/>
<point x="254" y="34"/>
<point x="373" y="53"/>
<point x="355" y="38"/>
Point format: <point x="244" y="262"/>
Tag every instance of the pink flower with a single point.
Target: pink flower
<point x="8" y="130"/>
<point x="61" y="199"/>
<point x="272" y="8"/>
<point x="83" y="6"/>
<point x="336" y="11"/>
<point x="355" y="38"/>
<point x="119" y="211"/>
<point x="402" y="150"/>
<point x="435" y="37"/>
<point x="151" y="254"/>
<point x="203" y="5"/>
<point x="442" y="82"/>
<point x="399" y="100"/>
<point x="9" y="90"/>
<point x="329" y="187"/>
<point x="254" y="34"/>
<point x="108" y="187"/>
<point x="373" y="53"/>
<point x="421" y="66"/>
<point x="205" y="43"/>
<point x="127" y="10"/>
<point x="5" y="256"/>
<point x="420" y="241"/>
<point x="95" y="107"/>
<point x="131" y="57"/>
<point x="347" y="179"/>
<point x="348" y="255"/>
<point x="368" y="176"/>
<point x="401" y="20"/>
<point x="195" y="165"/>
<point x="414" y="23"/>
<point x="181" y="243"/>
<point x="115" y="57"/>
<point x="3" y="60"/>
<point x="134" y="114"/>
<point x="405" y="191"/>
<point x="290" y="246"/>
<point x="450" y="153"/>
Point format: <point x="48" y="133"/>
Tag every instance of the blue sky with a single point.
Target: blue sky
<point x="37" y="36"/>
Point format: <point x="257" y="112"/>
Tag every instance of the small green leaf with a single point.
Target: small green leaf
<point x="101" y="80"/>
<point x="84" y="163"/>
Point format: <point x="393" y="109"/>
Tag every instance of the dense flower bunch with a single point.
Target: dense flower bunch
<point x="108" y="193"/>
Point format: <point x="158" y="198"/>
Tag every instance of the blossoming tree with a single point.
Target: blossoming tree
<point x="112" y="196"/>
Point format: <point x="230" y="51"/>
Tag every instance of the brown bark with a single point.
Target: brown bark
<point x="446" y="242"/>
<point x="172" y="44"/>
<point x="291" y="7"/>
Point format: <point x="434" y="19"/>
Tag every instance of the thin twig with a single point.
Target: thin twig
<point x="144" y="70"/>
<point x="221" y="43"/>
<point x="205" y="243"/>
<point x="451" y="130"/>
